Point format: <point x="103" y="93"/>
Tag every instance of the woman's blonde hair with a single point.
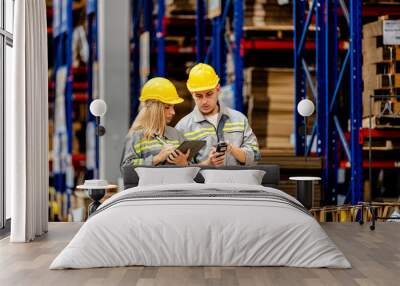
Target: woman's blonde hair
<point x="151" y="119"/>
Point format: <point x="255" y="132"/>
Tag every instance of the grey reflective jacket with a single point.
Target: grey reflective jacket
<point x="233" y="127"/>
<point x="140" y="151"/>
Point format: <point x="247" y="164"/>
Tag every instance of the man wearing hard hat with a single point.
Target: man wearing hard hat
<point x="217" y="124"/>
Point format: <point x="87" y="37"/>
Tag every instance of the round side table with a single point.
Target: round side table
<point x="95" y="193"/>
<point x="305" y="189"/>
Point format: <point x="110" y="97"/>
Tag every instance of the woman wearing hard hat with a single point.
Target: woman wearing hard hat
<point x="150" y="141"/>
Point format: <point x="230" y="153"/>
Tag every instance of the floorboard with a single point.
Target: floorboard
<point x="374" y="255"/>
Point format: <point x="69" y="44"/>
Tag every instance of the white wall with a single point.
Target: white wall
<point x="8" y="22"/>
<point x="7" y="81"/>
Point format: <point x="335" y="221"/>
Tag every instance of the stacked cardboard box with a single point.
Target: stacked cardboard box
<point x="267" y="12"/>
<point x="380" y="1"/>
<point x="271" y="104"/>
<point x="180" y="7"/>
<point x="381" y="75"/>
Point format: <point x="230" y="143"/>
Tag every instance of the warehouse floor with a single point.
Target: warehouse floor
<point x="375" y="257"/>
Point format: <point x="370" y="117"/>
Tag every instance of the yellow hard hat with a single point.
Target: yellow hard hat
<point x="202" y="77"/>
<point x="160" y="89"/>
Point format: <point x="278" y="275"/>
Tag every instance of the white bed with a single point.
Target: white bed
<point x="203" y="225"/>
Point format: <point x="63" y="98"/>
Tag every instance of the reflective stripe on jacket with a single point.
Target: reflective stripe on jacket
<point x="140" y="151"/>
<point x="233" y="127"/>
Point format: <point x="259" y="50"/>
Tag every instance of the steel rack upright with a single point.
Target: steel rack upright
<point x="220" y="43"/>
<point x="331" y="71"/>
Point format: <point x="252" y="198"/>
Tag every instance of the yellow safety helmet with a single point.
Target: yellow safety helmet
<point x="160" y="89"/>
<point x="202" y="77"/>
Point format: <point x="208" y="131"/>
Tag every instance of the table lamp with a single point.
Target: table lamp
<point x="305" y="184"/>
<point x="305" y="108"/>
<point x="98" y="108"/>
<point x="96" y="188"/>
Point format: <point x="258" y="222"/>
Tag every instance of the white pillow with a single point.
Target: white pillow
<point x="166" y="176"/>
<point x="249" y="177"/>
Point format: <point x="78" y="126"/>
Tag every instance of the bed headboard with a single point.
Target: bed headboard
<point x="270" y="179"/>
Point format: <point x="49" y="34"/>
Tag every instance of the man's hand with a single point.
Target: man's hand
<point x="178" y="158"/>
<point x="216" y="158"/>
<point x="237" y="152"/>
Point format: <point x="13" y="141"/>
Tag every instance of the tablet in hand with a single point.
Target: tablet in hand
<point x="194" y="146"/>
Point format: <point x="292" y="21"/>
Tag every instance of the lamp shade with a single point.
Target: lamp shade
<point x="305" y="107"/>
<point x="98" y="107"/>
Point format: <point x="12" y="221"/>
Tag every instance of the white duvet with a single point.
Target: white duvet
<point x="188" y="231"/>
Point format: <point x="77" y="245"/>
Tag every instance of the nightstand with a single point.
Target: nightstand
<point x="305" y="190"/>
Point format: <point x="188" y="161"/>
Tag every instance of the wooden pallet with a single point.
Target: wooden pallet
<point x="270" y="30"/>
<point x="349" y="213"/>
<point x="381" y="68"/>
<point x="175" y="40"/>
<point x="381" y="54"/>
<point x="382" y="146"/>
<point x="381" y="210"/>
<point x="381" y="81"/>
<point x="380" y="105"/>
<point x="381" y="75"/>
<point x="327" y="213"/>
<point x="383" y="93"/>
<point x="383" y="122"/>
<point x="181" y="7"/>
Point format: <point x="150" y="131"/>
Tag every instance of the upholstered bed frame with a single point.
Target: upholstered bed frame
<point x="201" y="225"/>
<point x="270" y="179"/>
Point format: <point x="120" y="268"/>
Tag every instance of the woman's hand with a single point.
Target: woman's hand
<point x="178" y="158"/>
<point x="163" y="155"/>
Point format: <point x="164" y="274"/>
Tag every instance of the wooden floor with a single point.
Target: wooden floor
<point x="375" y="257"/>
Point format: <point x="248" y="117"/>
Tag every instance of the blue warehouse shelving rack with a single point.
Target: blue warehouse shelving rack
<point x="331" y="70"/>
<point x="143" y="21"/>
<point x="338" y="74"/>
<point x="215" y="54"/>
<point x="220" y="44"/>
<point x="62" y="155"/>
<point x="91" y="16"/>
<point x="68" y="162"/>
<point x="337" y="69"/>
